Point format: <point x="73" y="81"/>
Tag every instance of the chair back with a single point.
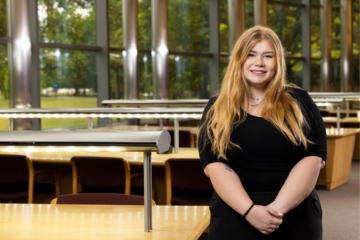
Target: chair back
<point x="101" y="199"/>
<point x="184" y="138"/>
<point x="13" y="169"/>
<point x="187" y="173"/>
<point x="100" y="171"/>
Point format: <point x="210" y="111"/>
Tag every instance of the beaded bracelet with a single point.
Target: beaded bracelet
<point x="246" y="213"/>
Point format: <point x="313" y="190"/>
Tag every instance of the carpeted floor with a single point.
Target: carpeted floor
<point x="341" y="208"/>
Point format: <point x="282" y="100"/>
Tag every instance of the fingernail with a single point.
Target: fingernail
<point x="280" y="214"/>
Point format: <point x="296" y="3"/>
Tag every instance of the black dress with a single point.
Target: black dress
<point x="263" y="166"/>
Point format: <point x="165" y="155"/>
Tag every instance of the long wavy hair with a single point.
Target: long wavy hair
<point x="279" y="107"/>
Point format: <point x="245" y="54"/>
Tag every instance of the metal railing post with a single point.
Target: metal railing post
<point x="147" y="191"/>
<point x="176" y="135"/>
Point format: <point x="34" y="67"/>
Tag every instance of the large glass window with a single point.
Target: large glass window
<point x="286" y="22"/>
<point x="3" y="20"/>
<point x="116" y="75"/>
<point x="4" y="87"/>
<point x="144" y="24"/>
<point x="115" y="23"/>
<point x="188" y="25"/>
<point x="355" y="44"/>
<point x="224" y="26"/>
<point x="145" y="76"/>
<point x="189" y="77"/>
<point x="65" y="21"/>
<point x="68" y="80"/>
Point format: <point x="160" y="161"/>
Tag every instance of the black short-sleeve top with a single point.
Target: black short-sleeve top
<point x="266" y="156"/>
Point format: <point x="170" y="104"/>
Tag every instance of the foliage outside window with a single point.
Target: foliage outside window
<point x="116" y="75"/>
<point x="144" y="24"/>
<point x="115" y="23"/>
<point x="188" y="25"/>
<point x="70" y="22"/>
<point x="189" y="77"/>
<point x="3" y="20"/>
<point x="145" y="76"/>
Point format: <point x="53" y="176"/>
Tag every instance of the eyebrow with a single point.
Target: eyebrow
<point x="264" y="52"/>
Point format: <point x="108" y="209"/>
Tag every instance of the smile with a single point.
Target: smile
<point x="256" y="71"/>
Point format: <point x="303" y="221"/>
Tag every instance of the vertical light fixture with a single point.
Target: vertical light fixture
<point x="260" y="12"/>
<point x="325" y="46"/>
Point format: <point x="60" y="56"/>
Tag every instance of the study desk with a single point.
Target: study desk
<point x="55" y="222"/>
<point x="340" y="145"/>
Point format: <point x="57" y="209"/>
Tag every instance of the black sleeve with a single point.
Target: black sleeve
<point x="206" y="155"/>
<point x="315" y="131"/>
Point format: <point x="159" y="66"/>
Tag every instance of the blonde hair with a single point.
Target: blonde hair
<point x="279" y="107"/>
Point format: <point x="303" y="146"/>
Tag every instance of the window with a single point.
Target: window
<point x="68" y="22"/>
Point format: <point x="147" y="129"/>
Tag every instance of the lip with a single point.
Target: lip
<point x="258" y="74"/>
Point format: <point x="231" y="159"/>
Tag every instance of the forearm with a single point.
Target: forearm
<point x="228" y="186"/>
<point x="298" y="185"/>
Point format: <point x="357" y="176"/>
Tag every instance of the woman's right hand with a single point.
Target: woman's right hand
<point x="263" y="219"/>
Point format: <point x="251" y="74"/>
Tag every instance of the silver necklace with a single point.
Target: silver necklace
<point x="256" y="99"/>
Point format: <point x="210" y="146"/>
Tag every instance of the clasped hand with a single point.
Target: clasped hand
<point x="264" y="219"/>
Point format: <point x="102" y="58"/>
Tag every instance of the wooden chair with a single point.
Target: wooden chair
<point x="186" y="183"/>
<point x="102" y="175"/>
<point x="100" y="199"/>
<point x="17" y="179"/>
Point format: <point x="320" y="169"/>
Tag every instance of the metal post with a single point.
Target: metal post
<point x="10" y="124"/>
<point x="176" y="135"/>
<point x="150" y="190"/>
<point x="147" y="191"/>
<point x="346" y="63"/>
<point x="214" y="61"/>
<point x="306" y="44"/>
<point x="325" y="46"/>
<point x="131" y="83"/>
<point x="236" y="9"/>
<point x="160" y="50"/>
<point x="35" y="61"/>
<point x="338" y="118"/>
<point x="347" y="109"/>
<point x="102" y="57"/>
<point x="90" y="124"/>
<point x="260" y="12"/>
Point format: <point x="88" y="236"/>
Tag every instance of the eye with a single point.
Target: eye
<point x="251" y="55"/>
<point x="267" y="56"/>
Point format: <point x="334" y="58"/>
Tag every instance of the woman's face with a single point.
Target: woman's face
<point x="260" y="65"/>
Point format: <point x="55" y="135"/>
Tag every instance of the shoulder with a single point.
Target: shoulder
<point x="211" y="102"/>
<point x="298" y="94"/>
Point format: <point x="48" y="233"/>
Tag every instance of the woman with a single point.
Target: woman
<point x="262" y="142"/>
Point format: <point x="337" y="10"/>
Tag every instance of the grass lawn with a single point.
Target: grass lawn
<point x="58" y="102"/>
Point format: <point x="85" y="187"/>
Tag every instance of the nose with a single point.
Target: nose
<point x="259" y="61"/>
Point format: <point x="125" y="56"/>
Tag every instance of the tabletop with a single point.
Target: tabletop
<point x="343" y="132"/>
<point x="342" y="120"/>
<point x="64" y="156"/>
<point x="53" y="222"/>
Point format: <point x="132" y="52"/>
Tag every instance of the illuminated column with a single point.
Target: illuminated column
<point x="131" y="83"/>
<point x="19" y="59"/>
<point x="325" y="46"/>
<point x="346" y="46"/>
<point x="260" y="12"/>
<point x="236" y="21"/>
<point x="160" y="51"/>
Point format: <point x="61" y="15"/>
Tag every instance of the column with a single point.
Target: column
<point x="260" y="12"/>
<point x="346" y="64"/>
<point x="19" y="59"/>
<point x="325" y="83"/>
<point x="236" y="10"/>
<point x="160" y="50"/>
<point x="131" y="83"/>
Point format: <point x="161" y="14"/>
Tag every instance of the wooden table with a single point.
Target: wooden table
<point x="340" y="145"/>
<point x="134" y="158"/>
<point x="55" y="222"/>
